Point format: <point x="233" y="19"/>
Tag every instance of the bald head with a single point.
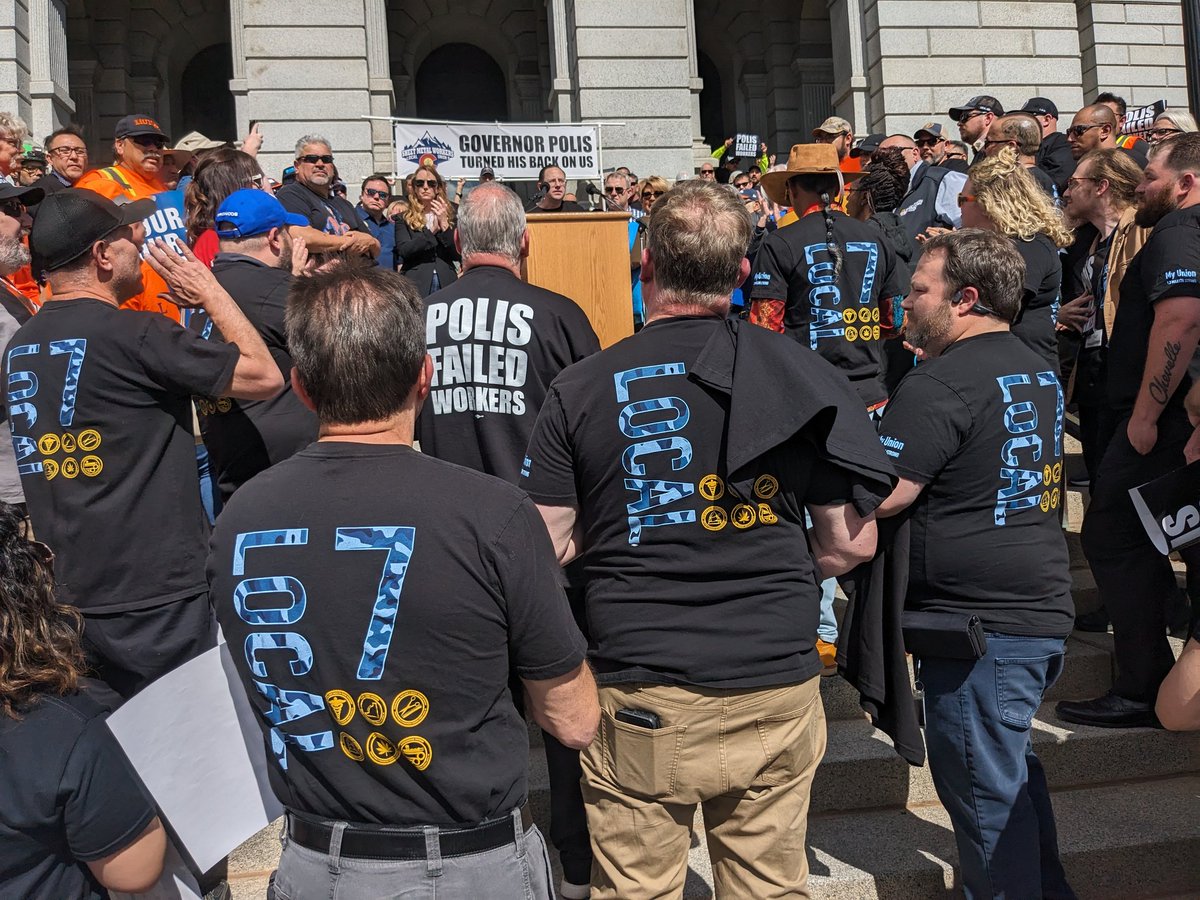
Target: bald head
<point x="1097" y="114"/>
<point x="1093" y="128"/>
<point x="907" y="147"/>
<point x="1020" y="131"/>
<point x="491" y="222"/>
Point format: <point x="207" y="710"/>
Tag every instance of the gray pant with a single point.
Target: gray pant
<point x="517" y="871"/>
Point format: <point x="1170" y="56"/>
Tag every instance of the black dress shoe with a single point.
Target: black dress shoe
<point x="1109" y="711"/>
<point x="1095" y="621"/>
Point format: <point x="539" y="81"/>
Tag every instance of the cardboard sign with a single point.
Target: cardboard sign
<point x="1139" y="120"/>
<point x="514" y="152"/>
<point x="746" y="145"/>
<point x="1169" y="508"/>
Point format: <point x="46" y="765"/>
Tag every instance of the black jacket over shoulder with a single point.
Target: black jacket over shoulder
<point x="1055" y="159"/>
<point x="420" y="253"/>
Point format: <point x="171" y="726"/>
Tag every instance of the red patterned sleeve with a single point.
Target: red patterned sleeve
<point x="767" y="314"/>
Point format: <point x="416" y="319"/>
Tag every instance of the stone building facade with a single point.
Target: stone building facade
<point x="678" y="75"/>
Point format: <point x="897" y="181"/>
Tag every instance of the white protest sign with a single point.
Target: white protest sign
<point x="196" y="742"/>
<point x="746" y="145"/>
<point x="513" y="151"/>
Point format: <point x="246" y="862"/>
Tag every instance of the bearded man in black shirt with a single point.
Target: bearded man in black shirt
<point x="1153" y="338"/>
<point x="383" y="676"/>
<point x="678" y="465"/>
<point x="976" y="435"/>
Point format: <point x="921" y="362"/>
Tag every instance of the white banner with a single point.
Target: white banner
<point x="514" y="152"/>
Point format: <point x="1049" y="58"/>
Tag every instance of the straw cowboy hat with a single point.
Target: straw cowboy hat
<point x="805" y="159"/>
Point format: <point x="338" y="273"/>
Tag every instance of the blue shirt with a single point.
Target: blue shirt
<point x="385" y="233"/>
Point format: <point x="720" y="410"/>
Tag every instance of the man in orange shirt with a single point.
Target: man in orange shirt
<point x="136" y="175"/>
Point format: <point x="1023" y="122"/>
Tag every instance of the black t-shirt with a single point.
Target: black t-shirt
<point x="981" y="427"/>
<point x="70" y="797"/>
<point x="246" y="436"/>
<point x="567" y="206"/>
<point x="496" y="344"/>
<point x="839" y="317"/>
<point x="1039" y="304"/>
<point x="686" y="583"/>
<point x="1168" y="265"/>
<point x="332" y="214"/>
<point x="100" y="401"/>
<point x="383" y="677"/>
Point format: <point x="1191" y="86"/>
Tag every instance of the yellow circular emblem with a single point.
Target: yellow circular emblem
<point x="89" y="440"/>
<point x="712" y="487"/>
<point x="91" y="465"/>
<point x="1047" y="475"/>
<point x="766" y="515"/>
<point x="1058" y="471"/>
<point x="372" y="707"/>
<point x="410" y="708"/>
<point x="875" y="314"/>
<point x="743" y="515"/>
<point x="849" y="316"/>
<point x="70" y="467"/>
<point x="714" y="518"/>
<point x="875" y="332"/>
<point x="380" y="749"/>
<point x="1045" y="504"/>
<point x="351" y="747"/>
<point x="1055" y="496"/>
<point x="50" y="469"/>
<point x="68" y="442"/>
<point x="48" y="444"/>
<point x="417" y="751"/>
<point x="224" y="405"/>
<point x="851" y="333"/>
<point x="341" y="707"/>
<point x="765" y="487"/>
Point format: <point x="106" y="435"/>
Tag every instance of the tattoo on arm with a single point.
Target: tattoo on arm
<point x="1160" y="385"/>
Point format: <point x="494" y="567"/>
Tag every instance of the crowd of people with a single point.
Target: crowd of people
<point x="851" y="372"/>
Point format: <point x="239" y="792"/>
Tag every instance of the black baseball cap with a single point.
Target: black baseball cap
<point x="982" y="103"/>
<point x="868" y="145"/>
<point x="27" y="195"/>
<point x="131" y="126"/>
<point x="69" y="222"/>
<point x="1040" y="106"/>
<point x="487" y="172"/>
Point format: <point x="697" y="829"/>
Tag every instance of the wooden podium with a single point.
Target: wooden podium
<point x="585" y="256"/>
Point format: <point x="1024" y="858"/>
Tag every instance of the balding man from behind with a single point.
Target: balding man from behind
<point x="1096" y="127"/>
<point x="1023" y="133"/>
<point x="932" y="198"/>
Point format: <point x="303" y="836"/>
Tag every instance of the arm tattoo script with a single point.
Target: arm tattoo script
<point x="1160" y="385"/>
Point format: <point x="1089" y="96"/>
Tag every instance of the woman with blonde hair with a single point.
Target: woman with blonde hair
<point x="425" y="233"/>
<point x="1172" y="123"/>
<point x="1001" y="196"/>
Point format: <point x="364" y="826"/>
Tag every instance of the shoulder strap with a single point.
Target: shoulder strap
<point x="112" y="174"/>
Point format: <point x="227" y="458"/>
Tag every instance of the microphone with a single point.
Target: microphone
<point x="595" y="192"/>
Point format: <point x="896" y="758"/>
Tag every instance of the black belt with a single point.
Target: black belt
<point x="383" y="842"/>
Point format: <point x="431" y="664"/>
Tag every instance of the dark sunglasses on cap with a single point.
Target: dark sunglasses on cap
<point x="314" y="158"/>
<point x="374" y="192"/>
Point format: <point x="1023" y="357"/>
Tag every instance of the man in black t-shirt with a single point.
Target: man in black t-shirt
<point x="976" y="435"/>
<point x="1153" y="339"/>
<point x="552" y="190"/>
<point x="677" y="465"/>
<point x="382" y="676"/>
<point x="253" y="265"/>
<point x="311" y="196"/>
<point x="100" y="404"/>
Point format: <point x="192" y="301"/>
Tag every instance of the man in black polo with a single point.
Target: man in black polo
<point x="1153" y="338"/>
<point x="678" y="464"/>
<point x="311" y="195"/>
<point x="246" y="436"/>
<point x="975" y="432"/>
<point x="100" y="404"/>
<point x="379" y="601"/>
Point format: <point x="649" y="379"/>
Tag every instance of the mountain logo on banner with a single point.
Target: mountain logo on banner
<point x="427" y="150"/>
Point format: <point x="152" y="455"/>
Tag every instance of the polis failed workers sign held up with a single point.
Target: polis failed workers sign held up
<point x="514" y="152"/>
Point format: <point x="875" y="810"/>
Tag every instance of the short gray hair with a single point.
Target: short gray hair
<point x="620" y="176"/>
<point x="491" y="220"/>
<point x="312" y="139"/>
<point x="13" y="126"/>
<point x="986" y="261"/>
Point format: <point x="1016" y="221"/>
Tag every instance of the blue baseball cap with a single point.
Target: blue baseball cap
<point x="250" y="212"/>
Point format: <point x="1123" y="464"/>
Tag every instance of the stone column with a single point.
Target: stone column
<point x="15" y="76"/>
<point x="559" y="26"/>
<point x="379" y="82"/>
<point x="700" y="149"/>
<point x="849" y="63"/>
<point x="1134" y="49"/>
<point x="48" y="91"/>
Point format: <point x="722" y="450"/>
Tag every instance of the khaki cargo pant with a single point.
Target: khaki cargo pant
<point x="747" y="757"/>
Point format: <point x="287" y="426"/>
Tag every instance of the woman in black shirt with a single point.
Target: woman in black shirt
<point x="425" y="233"/>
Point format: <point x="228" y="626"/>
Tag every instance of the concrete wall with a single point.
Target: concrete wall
<point x="14" y="58"/>
<point x="1134" y="49"/>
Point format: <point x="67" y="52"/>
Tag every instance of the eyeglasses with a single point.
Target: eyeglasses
<point x="313" y="158"/>
<point x="64" y="152"/>
<point x="613" y="189"/>
<point x="966" y="117"/>
<point x="742" y="184"/>
<point x="964" y="199"/>
<point x="14" y="209"/>
<point x="1073" y="182"/>
<point x="148" y="140"/>
<point x="649" y="195"/>
<point x="1079" y="131"/>
<point x="422" y="182"/>
<point x="373" y="192"/>
<point x="929" y="142"/>
<point x="1163" y="132"/>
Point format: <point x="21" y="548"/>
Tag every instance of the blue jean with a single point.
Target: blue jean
<point x="519" y="870"/>
<point x="978" y="714"/>
<point x="210" y="496"/>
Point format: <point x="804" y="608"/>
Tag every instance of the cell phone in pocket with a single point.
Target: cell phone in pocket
<point x="640" y="717"/>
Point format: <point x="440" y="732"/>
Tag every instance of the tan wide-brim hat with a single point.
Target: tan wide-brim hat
<point x="805" y="159"/>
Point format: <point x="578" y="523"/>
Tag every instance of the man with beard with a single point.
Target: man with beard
<point x="974" y="118"/>
<point x="974" y="434"/>
<point x="1154" y="336"/>
<point x="99" y="401"/>
<point x="244" y="437"/>
<point x="311" y="195"/>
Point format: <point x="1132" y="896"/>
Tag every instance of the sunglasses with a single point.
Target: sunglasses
<point x="929" y="142"/>
<point x="966" y="117"/>
<point x="314" y="158"/>
<point x="742" y="184"/>
<point x="148" y="140"/>
<point x="613" y="189"/>
<point x="964" y="199"/>
<point x="373" y="192"/>
<point x="706" y="172"/>
<point x="421" y="182"/>
<point x="12" y="208"/>
<point x="1079" y="131"/>
<point x="648" y="195"/>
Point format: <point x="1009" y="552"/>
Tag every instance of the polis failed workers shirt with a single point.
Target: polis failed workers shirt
<point x="496" y="344"/>
<point x="1039" y="304"/>
<point x="376" y="624"/>
<point x="981" y="427"/>
<point x="1168" y="265"/>
<point x="833" y="311"/>
<point x="99" y="400"/>
<point x="686" y="582"/>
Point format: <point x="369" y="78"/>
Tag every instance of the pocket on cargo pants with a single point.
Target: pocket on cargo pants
<point x="642" y="761"/>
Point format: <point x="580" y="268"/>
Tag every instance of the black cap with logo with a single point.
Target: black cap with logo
<point x="1040" y="106"/>
<point x="982" y="103"/>
<point x="132" y="126"/>
<point x="69" y="222"/>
